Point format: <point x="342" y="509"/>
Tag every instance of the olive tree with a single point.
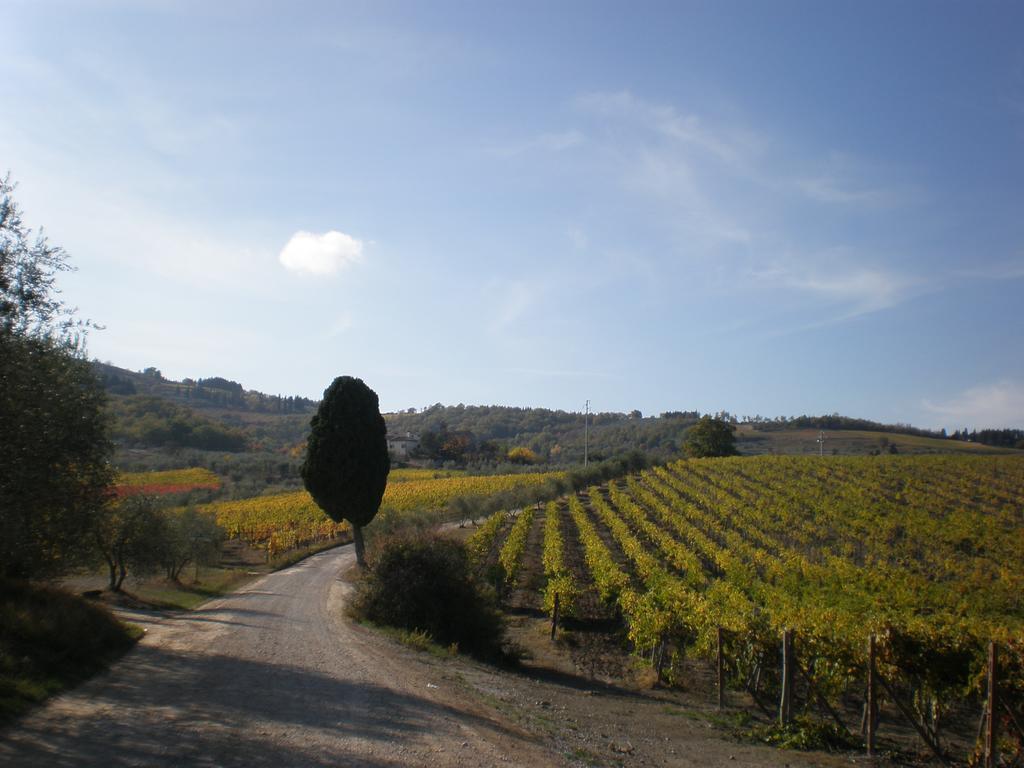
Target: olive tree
<point x="54" y="447"/>
<point x="710" y="437"/>
<point x="347" y="463"/>
<point x="133" y="537"/>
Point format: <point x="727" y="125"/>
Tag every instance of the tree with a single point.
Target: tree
<point x="54" y="448"/>
<point x="132" y="536"/>
<point x="29" y="305"/>
<point x="710" y="437"/>
<point x="190" y="537"/>
<point x="522" y="455"/>
<point x="347" y="464"/>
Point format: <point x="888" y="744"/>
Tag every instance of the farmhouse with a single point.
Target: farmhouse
<point x="400" y="446"/>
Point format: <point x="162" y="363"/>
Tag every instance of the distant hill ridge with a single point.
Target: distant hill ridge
<point x="214" y="392"/>
<point x="482" y="432"/>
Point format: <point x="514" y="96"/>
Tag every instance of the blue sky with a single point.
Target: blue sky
<point x="769" y="208"/>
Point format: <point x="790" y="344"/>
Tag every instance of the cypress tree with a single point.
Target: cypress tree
<point x="347" y="463"/>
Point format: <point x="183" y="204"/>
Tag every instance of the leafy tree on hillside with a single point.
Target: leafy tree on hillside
<point x="54" y="449"/>
<point x="347" y="463"/>
<point x="153" y="421"/>
<point x="710" y="437"/>
<point x="522" y="455"/>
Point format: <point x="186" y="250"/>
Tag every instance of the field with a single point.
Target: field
<point x="286" y="521"/>
<point x="166" y="482"/>
<point x="924" y="552"/>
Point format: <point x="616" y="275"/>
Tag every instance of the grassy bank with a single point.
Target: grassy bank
<point x="190" y="593"/>
<point x="51" y="640"/>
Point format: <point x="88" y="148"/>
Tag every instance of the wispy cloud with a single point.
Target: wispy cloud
<point x="509" y="301"/>
<point x="993" y="406"/>
<point x="863" y="290"/>
<point x="697" y="209"/>
<point x="343" y="323"/>
<point x="841" y="179"/>
<point x="1005" y="270"/>
<point x="104" y="228"/>
<point x="731" y="146"/>
<point x="843" y="280"/>
<point x="558" y="141"/>
<point x="578" y="238"/>
<point x="107" y="101"/>
<point x="546" y="373"/>
<point x="679" y="160"/>
<point x="326" y="254"/>
<point x="729" y="193"/>
<point x="826" y="189"/>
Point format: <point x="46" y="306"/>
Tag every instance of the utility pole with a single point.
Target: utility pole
<point x="586" y="434"/>
<point x="821" y="443"/>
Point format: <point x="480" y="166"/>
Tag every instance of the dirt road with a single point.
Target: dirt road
<point x="269" y="676"/>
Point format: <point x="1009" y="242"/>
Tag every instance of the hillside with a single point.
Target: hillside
<point x="154" y="416"/>
<point x="754" y="441"/>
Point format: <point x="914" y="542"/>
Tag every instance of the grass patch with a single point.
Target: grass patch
<point x="188" y="595"/>
<point x="416" y="639"/>
<point x="51" y="640"/>
<point x="584" y="756"/>
<point x="804" y="733"/>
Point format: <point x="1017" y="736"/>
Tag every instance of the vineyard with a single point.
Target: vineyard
<point x="924" y="553"/>
<point x="287" y="521"/>
<point x="166" y="482"/>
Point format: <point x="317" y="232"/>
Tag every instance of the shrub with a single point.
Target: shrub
<point x="426" y="585"/>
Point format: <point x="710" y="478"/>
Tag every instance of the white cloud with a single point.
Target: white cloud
<point x="324" y="254"/>
<point x="988" y="406"/>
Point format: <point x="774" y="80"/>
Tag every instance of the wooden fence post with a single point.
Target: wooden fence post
<point x="991" y="731"/>
<point x="554" y="618"/>
<point x="786" y="699"/>
<point x="660" y="656"/>
<point x="872" y="702"/>
<point x="721" y="672"/>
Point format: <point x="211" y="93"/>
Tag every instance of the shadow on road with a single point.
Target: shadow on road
<point x="222" y="710"/>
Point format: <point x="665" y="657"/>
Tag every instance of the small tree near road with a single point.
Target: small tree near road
<point x="710" y="437"/>
<point x="132" y="536"/>
<point x="347" y="464"/>
<point x="193" y="537"/>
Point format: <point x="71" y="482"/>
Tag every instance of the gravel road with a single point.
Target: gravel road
<point x="272" y="675"/>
